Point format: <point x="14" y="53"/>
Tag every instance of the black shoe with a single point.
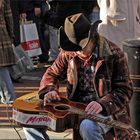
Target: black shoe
<point x="18" y="80"/>
<point x="50" y="62"/>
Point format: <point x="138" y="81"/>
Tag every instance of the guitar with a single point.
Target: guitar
<point x="28" y="110"/>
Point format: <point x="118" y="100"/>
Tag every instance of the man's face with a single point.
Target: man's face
<point x="86" y="51"/>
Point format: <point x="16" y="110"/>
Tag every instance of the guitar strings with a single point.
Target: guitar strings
<point x="108" y="122"/>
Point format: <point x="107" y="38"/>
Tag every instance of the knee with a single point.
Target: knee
<point x="87" y="125"/>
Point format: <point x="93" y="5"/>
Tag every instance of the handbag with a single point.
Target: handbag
<point x="30" y="38"/>
<point x="24" y="63"/>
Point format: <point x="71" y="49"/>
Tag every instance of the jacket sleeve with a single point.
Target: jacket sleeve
<point x="52" y="76"/>
<point x="121" y="84"/>
<point x="9" y="19"/>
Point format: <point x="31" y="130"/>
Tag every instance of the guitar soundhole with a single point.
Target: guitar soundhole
<point x="62" y="107"/>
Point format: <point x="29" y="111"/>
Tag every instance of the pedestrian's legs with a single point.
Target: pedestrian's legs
<point x="5" y="77"/>
<point x="90" y="130"/>
<point x="35" y="133"/>
<point x="54" y="50"/>
<point x="43" y="41"/>
<point x="3" y="91"/>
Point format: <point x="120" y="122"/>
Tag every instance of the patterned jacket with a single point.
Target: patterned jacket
<point x="111" y="67"/>
<point x="7" y="56"/>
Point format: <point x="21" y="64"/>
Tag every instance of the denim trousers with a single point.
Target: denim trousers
<point x="7" y="92"/>
<point x="89" y="130"/>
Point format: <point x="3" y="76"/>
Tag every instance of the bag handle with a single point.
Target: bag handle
<point x="25" y="21"/>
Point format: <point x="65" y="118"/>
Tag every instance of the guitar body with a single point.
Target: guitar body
<point x="28" y="110"/>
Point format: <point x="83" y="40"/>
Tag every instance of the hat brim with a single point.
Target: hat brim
<point x="68" y="45"/>
<point x="65" y="43"/>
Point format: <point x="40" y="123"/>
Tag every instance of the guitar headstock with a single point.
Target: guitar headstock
<point x="135" y="135"/>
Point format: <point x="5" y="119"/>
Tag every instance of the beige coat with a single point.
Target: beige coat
<point x="120" y="20"/>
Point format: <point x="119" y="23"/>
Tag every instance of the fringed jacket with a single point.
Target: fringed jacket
<point x="111" y="66"/>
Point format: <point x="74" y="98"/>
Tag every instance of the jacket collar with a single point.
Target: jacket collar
<point x="104" y="47"/>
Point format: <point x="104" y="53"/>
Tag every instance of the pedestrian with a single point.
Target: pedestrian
<point x="19" y="13"/>
<point x="97" y="74"/>
<point x="7" y="57"/>
<point x="34" y="13"/>
<point x="120" y="20"/>
<point x="18" y="8"/>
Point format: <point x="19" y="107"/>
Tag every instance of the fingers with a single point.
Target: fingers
<point x="93" y="108"/>
<point x="51" y="96"/>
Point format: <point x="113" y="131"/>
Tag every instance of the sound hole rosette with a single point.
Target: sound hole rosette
<point x="62" y="107"/>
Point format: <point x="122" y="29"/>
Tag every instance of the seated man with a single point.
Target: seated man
<point x="97" y="75"/>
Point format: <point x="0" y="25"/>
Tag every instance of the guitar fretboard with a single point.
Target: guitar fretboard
<point x="108" y="121"/>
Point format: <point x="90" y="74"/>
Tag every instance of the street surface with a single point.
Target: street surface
<point x="29" y="83"/>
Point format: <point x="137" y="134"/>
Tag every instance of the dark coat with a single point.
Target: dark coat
<point x="7" y="56"/>
<point x="17" y="7"/>
<point x="30" y="5"/>
<point x="64" y="8"/>
<point x="111" y="67"/>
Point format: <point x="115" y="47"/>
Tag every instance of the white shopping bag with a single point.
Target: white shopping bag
<point x="30" y="39"/>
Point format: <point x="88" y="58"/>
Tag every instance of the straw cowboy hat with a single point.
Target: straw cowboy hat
<point x="77" y="32"/>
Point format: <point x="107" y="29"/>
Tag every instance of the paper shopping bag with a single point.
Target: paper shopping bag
<point x="30" y="39"/>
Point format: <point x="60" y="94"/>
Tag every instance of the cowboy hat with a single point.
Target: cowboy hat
<point x="76" y="33"/>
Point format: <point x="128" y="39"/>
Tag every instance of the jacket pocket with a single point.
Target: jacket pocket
<point x="103" y="86"/>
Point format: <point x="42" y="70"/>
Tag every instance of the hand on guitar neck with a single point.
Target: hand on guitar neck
<point x="93" y="108"/>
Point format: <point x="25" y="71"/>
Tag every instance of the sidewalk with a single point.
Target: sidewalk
<point x="11" y="134"/>
<point x="29" y="83"/>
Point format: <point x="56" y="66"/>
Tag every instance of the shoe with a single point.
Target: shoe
<point x="18" y="80"/>
<point x="50" y="62"/>
<point x="41" y="65"/>
<point x="9" y="102"/>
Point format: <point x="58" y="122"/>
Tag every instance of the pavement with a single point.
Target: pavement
<point x="29" y="83"/>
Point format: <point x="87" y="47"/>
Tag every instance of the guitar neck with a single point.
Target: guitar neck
<point x="109" y="122"/>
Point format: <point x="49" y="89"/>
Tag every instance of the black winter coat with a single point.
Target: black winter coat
<point x="56" y="16"/>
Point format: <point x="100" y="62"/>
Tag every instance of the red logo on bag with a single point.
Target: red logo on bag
<point x="30" y="45"/>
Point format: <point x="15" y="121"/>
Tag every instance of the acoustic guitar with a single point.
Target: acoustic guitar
<point x="28" y="110"/>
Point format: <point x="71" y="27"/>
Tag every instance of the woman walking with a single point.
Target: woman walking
<point x="7" y="57"/>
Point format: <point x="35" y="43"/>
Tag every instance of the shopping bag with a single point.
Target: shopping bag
<point x="24" y="63"/>
<point x="30" y="39"/>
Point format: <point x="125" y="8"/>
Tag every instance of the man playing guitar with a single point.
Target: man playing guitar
<point x="97" y="75"/>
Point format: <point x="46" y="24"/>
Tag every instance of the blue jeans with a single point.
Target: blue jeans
<point x="7" y="92"/>
<point x="89" y="130"/>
